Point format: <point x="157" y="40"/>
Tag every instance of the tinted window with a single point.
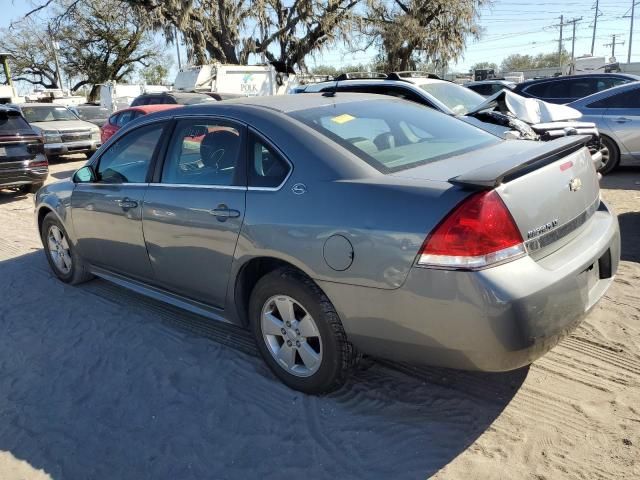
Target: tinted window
<point x="482" y="89"/>
<point x="392" y="135"/>
<point x="203" y="152"/>
<point x="266" y="167"/>
<point x="582" y="87"/>
<point x="124" y="118"/>
<point x="128" y="159"/>
<point x="559" y="89"/>
<point x="12" y="123"/>
<point x="628" y="99"/>
<point x="113" y="120"/>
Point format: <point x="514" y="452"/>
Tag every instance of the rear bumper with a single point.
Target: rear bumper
<point x="15" y="177"/>
<point x="496" y="319"/>
<point x="83" y="146"/>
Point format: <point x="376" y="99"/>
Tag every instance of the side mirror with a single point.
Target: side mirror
<point x="85" y="175"/>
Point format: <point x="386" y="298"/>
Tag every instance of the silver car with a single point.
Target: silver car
<point x="616" y="112"/>
<point x="336" y="225"/>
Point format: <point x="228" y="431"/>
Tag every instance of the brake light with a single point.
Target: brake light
<point x="477" y="233"/>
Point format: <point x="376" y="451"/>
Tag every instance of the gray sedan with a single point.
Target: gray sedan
<point x="616" y="112"/>
<point x="336" y="225"/>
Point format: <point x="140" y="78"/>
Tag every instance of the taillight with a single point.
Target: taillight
<point x="477" y="233"/>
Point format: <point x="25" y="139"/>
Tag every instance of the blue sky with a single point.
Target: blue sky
<point x="509" y="26"/>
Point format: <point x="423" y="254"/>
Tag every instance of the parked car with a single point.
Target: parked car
<point x="23" y="165"/>
<point x="486" y="88"/>
<point x="119" y="119"/>
<point x="616" y="112"/>
<point x="570" y="88"/>
<point x="332" y="225"/>
<point x="172" y="98"/>
<point x="91" y="113"/>
<point x="63" y="131"/>
<point x="492" y="114"/>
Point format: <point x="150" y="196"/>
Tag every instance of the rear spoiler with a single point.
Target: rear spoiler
<point x="494" y="174"/>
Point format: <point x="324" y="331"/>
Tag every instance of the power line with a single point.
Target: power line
<point x="613" y="44"/>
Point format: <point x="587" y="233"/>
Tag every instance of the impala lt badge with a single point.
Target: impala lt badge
<point x="575" y="184"/>
<point x="535" y="232"/>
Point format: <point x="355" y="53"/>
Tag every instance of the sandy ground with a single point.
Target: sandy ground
<point x="100" y="383"/>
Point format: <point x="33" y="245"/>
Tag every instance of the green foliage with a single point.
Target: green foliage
<point x="517" y="62"/>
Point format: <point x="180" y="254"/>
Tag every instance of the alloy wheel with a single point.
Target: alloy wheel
<point x="59" y="249"/>
<point x="291" y="335"/>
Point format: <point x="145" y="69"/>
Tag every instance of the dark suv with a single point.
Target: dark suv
<point x="23" y="164"/>
<point x="571" y="88"/>
<point x="171" y="98"/>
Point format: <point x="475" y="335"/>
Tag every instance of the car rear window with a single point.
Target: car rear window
<point x="12" y="123"/>
<point x="394" y="135"/>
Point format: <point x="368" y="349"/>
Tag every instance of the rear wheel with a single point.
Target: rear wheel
<point x="610" y="155"/>
<point x="61" y="254"/>
<point x="31" y="188"/>
<point x="298" y="332"/>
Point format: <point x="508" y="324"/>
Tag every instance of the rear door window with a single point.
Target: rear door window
<point x="628" y="99"/>
<point x="205" y="152"/>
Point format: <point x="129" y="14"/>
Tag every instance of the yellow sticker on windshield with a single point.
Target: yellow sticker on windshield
<point x="344" y="118"/>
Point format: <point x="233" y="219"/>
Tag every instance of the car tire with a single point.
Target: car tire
<point x="53" y="158"/>
<point x="322" y="355"/>
<point x="611" y="159"/>
<point x="61" y="253"/>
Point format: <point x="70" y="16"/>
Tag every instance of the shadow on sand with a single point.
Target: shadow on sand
<point x="98" y="382"/>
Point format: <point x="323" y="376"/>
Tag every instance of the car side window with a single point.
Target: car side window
<point x="628" y="99"/>
<point x="113" y="120"/>
<point x="267" y="169"/>
<point x="553" y="89"/>
<point x="204" y="152"/>
<point x="124" y="118"/>
<point x="129" y="158"/>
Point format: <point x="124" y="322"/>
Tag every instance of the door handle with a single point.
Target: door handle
<point x="127" y="203"/>
<point x="622" y="120"/>
<point x="222" y="212"/>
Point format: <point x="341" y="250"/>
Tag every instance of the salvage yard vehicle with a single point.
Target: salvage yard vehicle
<point x="339" y="224"/>
<point x="486" y="88"/>
<point x="504" y="113"/>
<point x="23" y="165"/>
<point x="616" y="112"/>
<point x="64" y="133"/>
<point x="572" y="87"/>
<point x="171" y="98"/>
<point x="119" y="119"/>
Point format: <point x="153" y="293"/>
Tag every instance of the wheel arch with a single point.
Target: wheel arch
<point x="249" y="273"/>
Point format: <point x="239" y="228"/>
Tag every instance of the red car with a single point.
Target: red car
<point x="122" y="117"/>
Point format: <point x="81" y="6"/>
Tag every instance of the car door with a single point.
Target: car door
<point x="107" y="213"/>
<point x="623" y="118"/>
<point x="194" y="209"/>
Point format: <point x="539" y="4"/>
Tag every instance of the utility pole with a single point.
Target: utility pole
<point x="595" y="25"/>
<point x="613" y="44"/>
<point x="560" y="43"/>
<point x="633" y="11"/>
<point x="573" y="39"/>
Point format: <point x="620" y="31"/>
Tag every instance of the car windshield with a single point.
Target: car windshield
<point x="393" y="135"/>
<point x="47" y="114"/>
<point x="458" y="99"/>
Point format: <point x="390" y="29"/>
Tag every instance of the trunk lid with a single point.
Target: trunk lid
<point x="19" y="148"/>
<point x="550" y="188"/>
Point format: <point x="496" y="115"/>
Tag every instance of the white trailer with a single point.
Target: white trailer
<point x="247" y="80"/>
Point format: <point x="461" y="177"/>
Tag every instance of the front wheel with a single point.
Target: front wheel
<point x="299" y="333"/>
<point x="61" y="255"/>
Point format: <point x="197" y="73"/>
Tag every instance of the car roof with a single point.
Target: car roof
<point x="579" y="77"/>
<point x="492" y="81"/>
<point x="41" y="104"/>
<point x="174" y="94"/>
<point x="150" y="108"/>
<point x="292" y="103"/>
